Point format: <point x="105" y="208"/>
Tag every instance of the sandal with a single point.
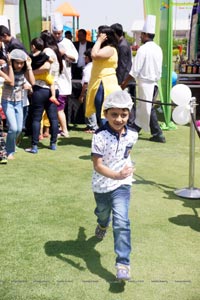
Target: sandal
<point x="100" y="232"/>
<point x="123" y="272"/>
<point x="63" y="134"/>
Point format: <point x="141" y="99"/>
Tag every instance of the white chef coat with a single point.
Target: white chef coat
<point x="65" y="79"/>
<point x="147" y="70"/>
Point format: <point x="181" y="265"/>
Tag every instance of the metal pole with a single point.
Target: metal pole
<point x="192" y="145"/>
<point x="191" y="192"/>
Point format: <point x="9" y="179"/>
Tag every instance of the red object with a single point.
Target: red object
<point x="2" y="113"/>
<point x="135" y="47"/>
<point x="180" y="48"/>
<point x="198" y="123"/>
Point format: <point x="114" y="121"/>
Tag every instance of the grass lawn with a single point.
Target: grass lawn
<point x="48" y="250"/>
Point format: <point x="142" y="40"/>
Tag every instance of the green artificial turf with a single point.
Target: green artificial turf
<point x="48" y="250"/>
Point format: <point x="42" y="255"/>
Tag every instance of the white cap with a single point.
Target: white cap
<point x="150" y="24"/>
<point x="18" y="54"/>
<point x="118" y="99"/>
<point x="57" y="22"/>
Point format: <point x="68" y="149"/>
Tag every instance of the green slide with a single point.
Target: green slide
<point x="164" y="37"/>
<point x="30" y="13"/>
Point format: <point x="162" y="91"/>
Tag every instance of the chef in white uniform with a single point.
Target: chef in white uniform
<point x="69" y="55"/>
<point x="147" y="70"/>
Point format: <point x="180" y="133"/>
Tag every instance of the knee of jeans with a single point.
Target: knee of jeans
<point x="119" y="223"/>
<point x="102" y="215"/>
<point x="13" y="130"/>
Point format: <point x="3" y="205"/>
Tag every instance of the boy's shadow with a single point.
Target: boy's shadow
<point x="84" y="249"/>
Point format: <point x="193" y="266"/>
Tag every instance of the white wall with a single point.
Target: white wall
<point x="12" y="13"/>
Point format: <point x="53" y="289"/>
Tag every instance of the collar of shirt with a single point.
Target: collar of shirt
<point x="116" y="134"/>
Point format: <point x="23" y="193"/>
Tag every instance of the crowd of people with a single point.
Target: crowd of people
<point x="104" y="69"/>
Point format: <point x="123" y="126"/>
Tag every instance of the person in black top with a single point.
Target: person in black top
<point x="9" y="41"/>
<point x="81" y="46"/>
<point x="68" y="35"/>
<point x="124" y="53"/>
<point x="38" y="58"/>
<point x="124" y="64"/>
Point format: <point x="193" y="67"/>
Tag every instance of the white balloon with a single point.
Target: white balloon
<point x="181" y="94"/>
<point x="181" y="115"/>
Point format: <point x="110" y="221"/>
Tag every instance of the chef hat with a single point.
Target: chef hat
<point x="150" y="24"/>
<point x="57" y="22"/>
<point x="118" y="99"/>
<point x="18" y="54"/>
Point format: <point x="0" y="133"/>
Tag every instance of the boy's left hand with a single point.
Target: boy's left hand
<point x="125" y="172"/>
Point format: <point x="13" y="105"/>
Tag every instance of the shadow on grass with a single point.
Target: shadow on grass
<point x="192" y="221"/>
<point x="161" y="186"/>
<point x="76" y="127"/>
<point x="143" y="138"/>
<point x="26" y="143"/>
<point x="85" y="157"/>
<point x="84" y="249"/>
<point x="76" y="141"/>
<point x="187" y="220"/>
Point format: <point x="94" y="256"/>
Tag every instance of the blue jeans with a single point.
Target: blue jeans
<point x="91" y="122"/>
<point x="98" y="102"/>
<point x="25" y="115"/>
<point x="41" y="102"/>
<point x="117" y="203"/>
<point x="14" y="117"/>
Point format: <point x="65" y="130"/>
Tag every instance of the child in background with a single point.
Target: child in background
<point x="38" y="59"/>
<point x="45" y="126"/>
<point x="18" y="68"/>
<point x="112" y="176"/>
<point x="3" y="154"/>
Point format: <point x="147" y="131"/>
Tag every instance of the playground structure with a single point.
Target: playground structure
<point x="67" y="10"/>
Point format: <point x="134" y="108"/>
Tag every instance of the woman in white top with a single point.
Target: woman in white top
<point x="42" y="93"/>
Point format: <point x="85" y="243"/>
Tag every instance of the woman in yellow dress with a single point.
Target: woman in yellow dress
<point x="103" y="79"/>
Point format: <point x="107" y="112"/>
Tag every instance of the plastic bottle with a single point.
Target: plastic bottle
<point x="194" y="67"/>
<point x="183" y="67"/>
<point x="177" y="65"/>
<point x="189" y="68"/>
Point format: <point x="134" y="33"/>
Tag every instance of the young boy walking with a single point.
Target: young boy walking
<point x="112" y="177"/>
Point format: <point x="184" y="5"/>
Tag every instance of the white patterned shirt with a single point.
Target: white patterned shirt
<point x="115" y="153"/>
